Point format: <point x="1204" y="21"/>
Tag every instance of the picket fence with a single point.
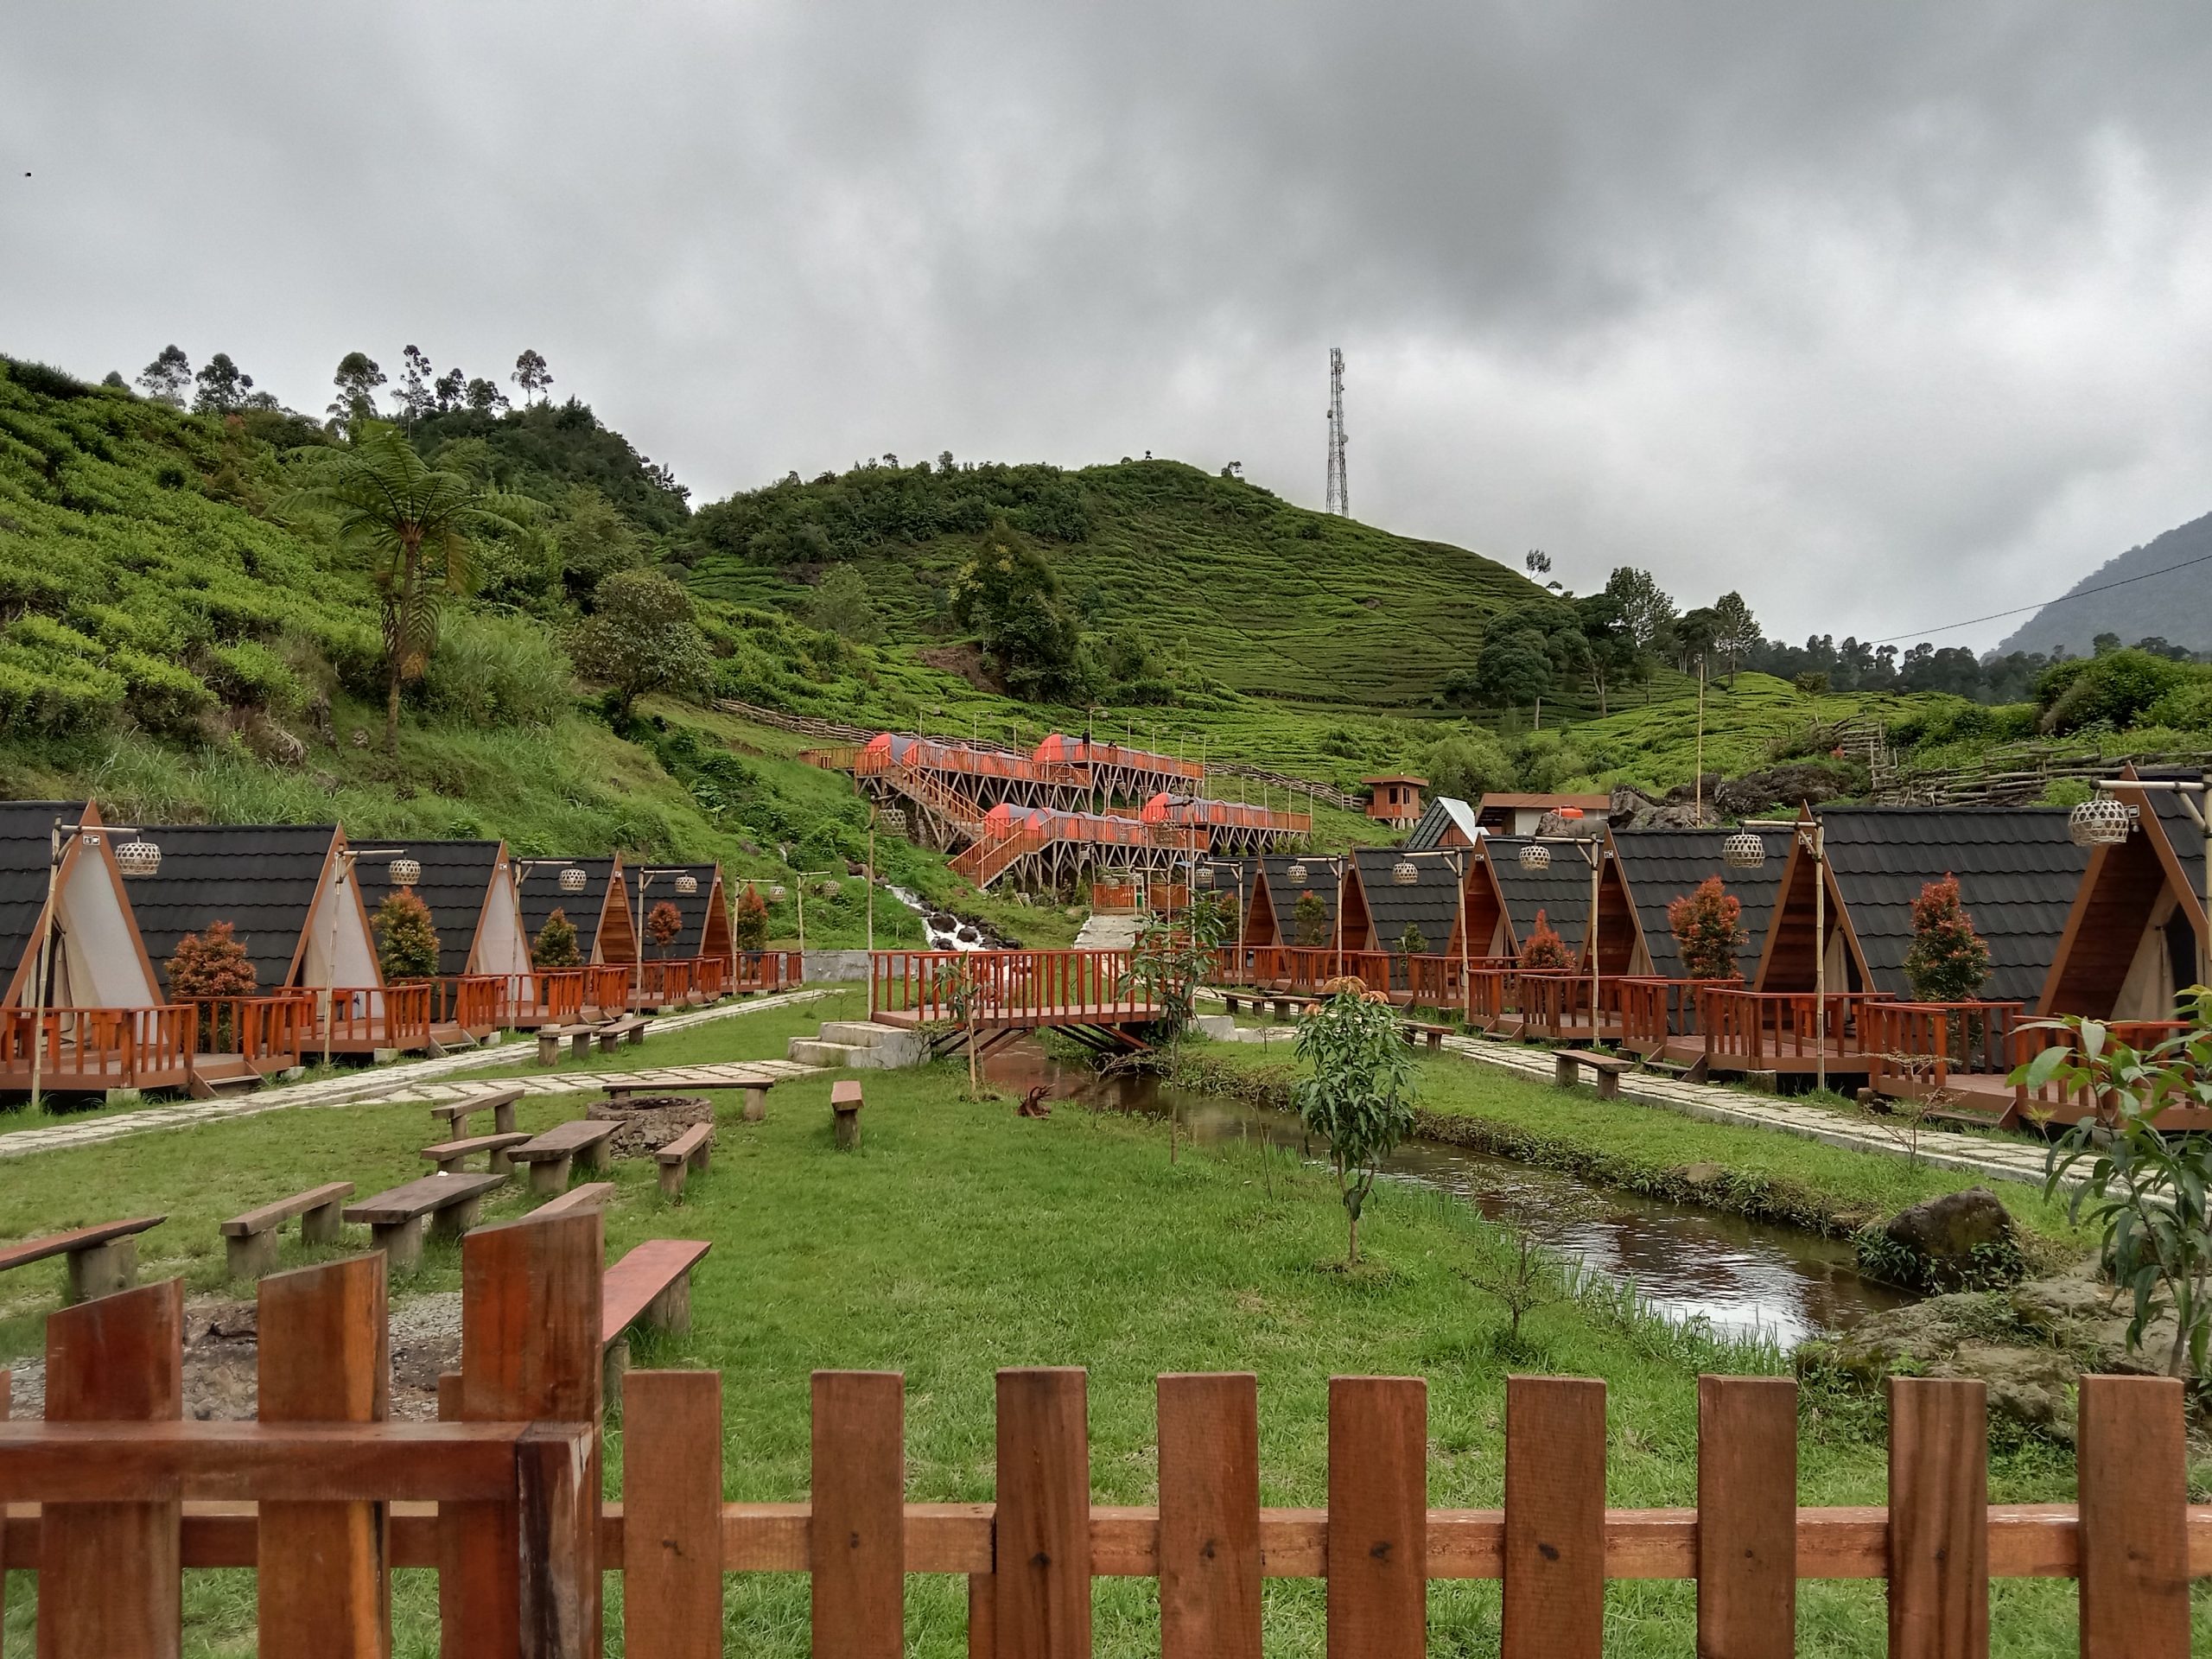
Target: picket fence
<point x="111" y="1497"/>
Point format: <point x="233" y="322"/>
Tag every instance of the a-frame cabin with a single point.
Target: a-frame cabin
<point x="2132" y="939"/>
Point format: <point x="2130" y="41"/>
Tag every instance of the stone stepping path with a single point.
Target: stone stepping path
<point x="411" y="1080"/>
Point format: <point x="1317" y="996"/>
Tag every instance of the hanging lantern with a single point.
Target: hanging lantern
<point x="1295" y="874"/>
<point x="573" y="880"/>
<point x="1535" y="856"/>
<point x="893" y="819"/>
<point x="687" y="884"/>
<point x="2102" y="822"/>
<point x="139" y="857"/>
<point x="1202" y="876"/>
<point x="1745" y="850"/>
<point x="404" y="872"/>
<point x="1405" y="872"/>
<point x="776" y="894"/>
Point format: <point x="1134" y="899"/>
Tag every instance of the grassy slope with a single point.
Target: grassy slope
<point x="959" y="1240"/>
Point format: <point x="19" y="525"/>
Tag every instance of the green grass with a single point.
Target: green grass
<point x="960" y="1239"/>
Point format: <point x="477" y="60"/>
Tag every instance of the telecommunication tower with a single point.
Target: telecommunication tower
<point x="1340" y="494"/>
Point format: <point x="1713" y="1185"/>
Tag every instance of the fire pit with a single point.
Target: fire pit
<point x="650" y="1122"/>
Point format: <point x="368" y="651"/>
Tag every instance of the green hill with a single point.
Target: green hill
<point x="1216" y="575"/>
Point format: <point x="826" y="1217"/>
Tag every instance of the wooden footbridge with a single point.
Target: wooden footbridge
<point x="1004" y="995"/>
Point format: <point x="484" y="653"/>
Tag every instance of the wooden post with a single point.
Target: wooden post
<point x="1554" y="1518"/>
<point x="859" y="1524"/>
<point x="325" y="1581"/>
<point x="2133" y="1484"/>
<point x="1042" y="1574"/>
<point x="1747" y="1517"/>
<point x="1209" y="1516"/>
<point x="1939" y="1519"/>
<point x="672" y="1515"/>
<point x="1379" y="1517"/>
<point x="111" y="1576"/>
<point x="450" y="1618"/>
<point x="530" y="1308"/>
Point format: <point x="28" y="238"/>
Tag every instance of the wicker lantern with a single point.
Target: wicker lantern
<point x="1202" y="876"/>
<point x="687" y="884"/>
<point x="776" y="894"/>
<point x="1535" y="856"/>
<point x="892" y="818"/>
<point x="139" y="857"/>
<point x="1405" y="872"/>
<point x="1295" y="875"/>
<point x="2102" y="822"/>
<point x="1744" y="851"/>
<point x="573" y="880"/>
<point x="404" y="872"/>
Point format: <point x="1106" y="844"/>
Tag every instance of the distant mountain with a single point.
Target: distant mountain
<point x="2176" y="608"/>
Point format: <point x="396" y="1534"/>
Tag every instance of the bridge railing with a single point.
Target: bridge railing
<point x="1001" y="986"/>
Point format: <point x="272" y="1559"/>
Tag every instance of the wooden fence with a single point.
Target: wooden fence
<point x="322" y="1496"/>
<point x="1040" y="986"/>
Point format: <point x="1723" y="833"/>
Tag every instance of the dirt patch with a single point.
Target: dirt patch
<point x="966" y="661"/>
<point x="650" y="1122"/>
<point x="222" y="1352"/>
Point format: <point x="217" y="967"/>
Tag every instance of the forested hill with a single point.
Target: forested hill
<point x="1212" y="575"/>
<point x="2175" y="607"/>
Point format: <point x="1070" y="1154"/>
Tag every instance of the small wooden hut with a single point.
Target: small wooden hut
<point x="600" y="912"/>
<point x="2131" y="940"/>
<point x="1660" y="866"/>
<point x="95" y="956"/>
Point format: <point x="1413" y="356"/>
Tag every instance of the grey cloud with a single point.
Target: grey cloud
<point x="1871" y="312"/>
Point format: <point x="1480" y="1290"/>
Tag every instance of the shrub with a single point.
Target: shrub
<point x="1358" y="1094"/>
<point x="407" y="938"/>
<point x="1413" y="941"/>
<point x="749" y="924"/>
<point x="1468" y="765"/>
<point x="1707" y="925"/>
<point x="500" y="670"/>
<point x="165" y="700"/>
<point x="2116" y="687"/>
<point x="663" y="923"/>
<point x="1947" y="961"/>
<point x="556" y="943"/>
<point x="1544" y="949"/>
<point x="248" y="675"/>
<point x="210" y="963"/>
<point x="2186" y="708"/>
<point x="1309" y="920"/>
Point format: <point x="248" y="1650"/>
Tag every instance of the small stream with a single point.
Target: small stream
<point x="1742" y="1276"/>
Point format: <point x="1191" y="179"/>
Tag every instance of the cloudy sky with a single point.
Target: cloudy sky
<point x="1885" y="314"/>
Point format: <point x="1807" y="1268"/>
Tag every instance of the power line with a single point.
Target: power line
<point x="2105" y="587"/>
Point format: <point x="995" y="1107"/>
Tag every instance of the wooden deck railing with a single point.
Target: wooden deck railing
<point x="473" y="1002"/>
<point x="1913" y="1048"/>
<point x="2059" y="1106"/>
<point x="366" y="1017"/>
<point x="1754" y="1030"/>
<point x="267" y="1033"/>
<point x="607" y="988"/>
<point x="766" y="970"/>
<point x="90" y="1049"/>
<point x="661" y="984"/>
<point x="322" y="1499"/>
<point x="544" y="997"/>
<point x="1655" y="1010"/>
<point x="1008" y="985"/>
<point x="1493" y="994"/>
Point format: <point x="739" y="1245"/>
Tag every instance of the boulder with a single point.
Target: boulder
<point x="1958" y="1240"/>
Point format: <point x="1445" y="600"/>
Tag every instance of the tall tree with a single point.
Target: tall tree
<point x="449" y="389"/>
<point x="167" y="376"/>
<point x="641" y="636"/>
<point x="1646" y="614"/>
<point x="357" y="380"/>
<point x="222" y="386"/>
<point x="1009" y="593"/>
<point x="415" y="396"/>
<point x="532" y="375"/>
<point x="1738" y="636"/>
<point x="413" y="522"/>
<point x="484" y="395"/>
<point x="1696" y="636"/>
<point x="1514" y="667"/>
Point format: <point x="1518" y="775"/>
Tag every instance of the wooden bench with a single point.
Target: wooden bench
<point x="591" y="1195"/>
<point x="553" y="1153"/>
<point x="451" y="1204"/>
<point x="683" y="1155"/>
<point x="1566" y="1061"/>
<point x="500" y="1102"/>
<point x="450" y="1155"/>
<point x="1432" y="1035"/>
<point x="650" y="1284"/>
<point x="250" y="1240"/>
<point x="845" y="1104"/>
<point x="102" y="1260"/>
<point x="630" y="1028"/>
<point x="756" y="1098"/>
<point x="578" y="1037"/>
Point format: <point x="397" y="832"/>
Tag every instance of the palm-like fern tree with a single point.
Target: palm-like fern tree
<point x="412" y="521"/>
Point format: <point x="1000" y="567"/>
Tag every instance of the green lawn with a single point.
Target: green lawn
<point x="960" y="1239"/>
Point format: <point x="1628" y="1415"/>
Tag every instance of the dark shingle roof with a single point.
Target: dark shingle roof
<point x="262" y="879"/>
<point x="691" y="907"/>
<point x="1443" y="814"/>
<point x="1562" y="892"/>
<point x="26" y="847"/>
<point x="1663" y="865"/>
<point x="1233" y="879"/>
<point x="542" y="896"/>
<point x="1320" y="880"/>
<point x="2017" y="870"/>
<point x="456" y="880"/>
<point x="1431" y="904"/>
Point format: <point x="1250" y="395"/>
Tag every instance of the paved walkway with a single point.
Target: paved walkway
<point x="1990" y="1157"/>
<point x="423" y="1080"/>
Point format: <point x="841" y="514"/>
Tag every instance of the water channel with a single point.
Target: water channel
<point x="1742" y="1276"/>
